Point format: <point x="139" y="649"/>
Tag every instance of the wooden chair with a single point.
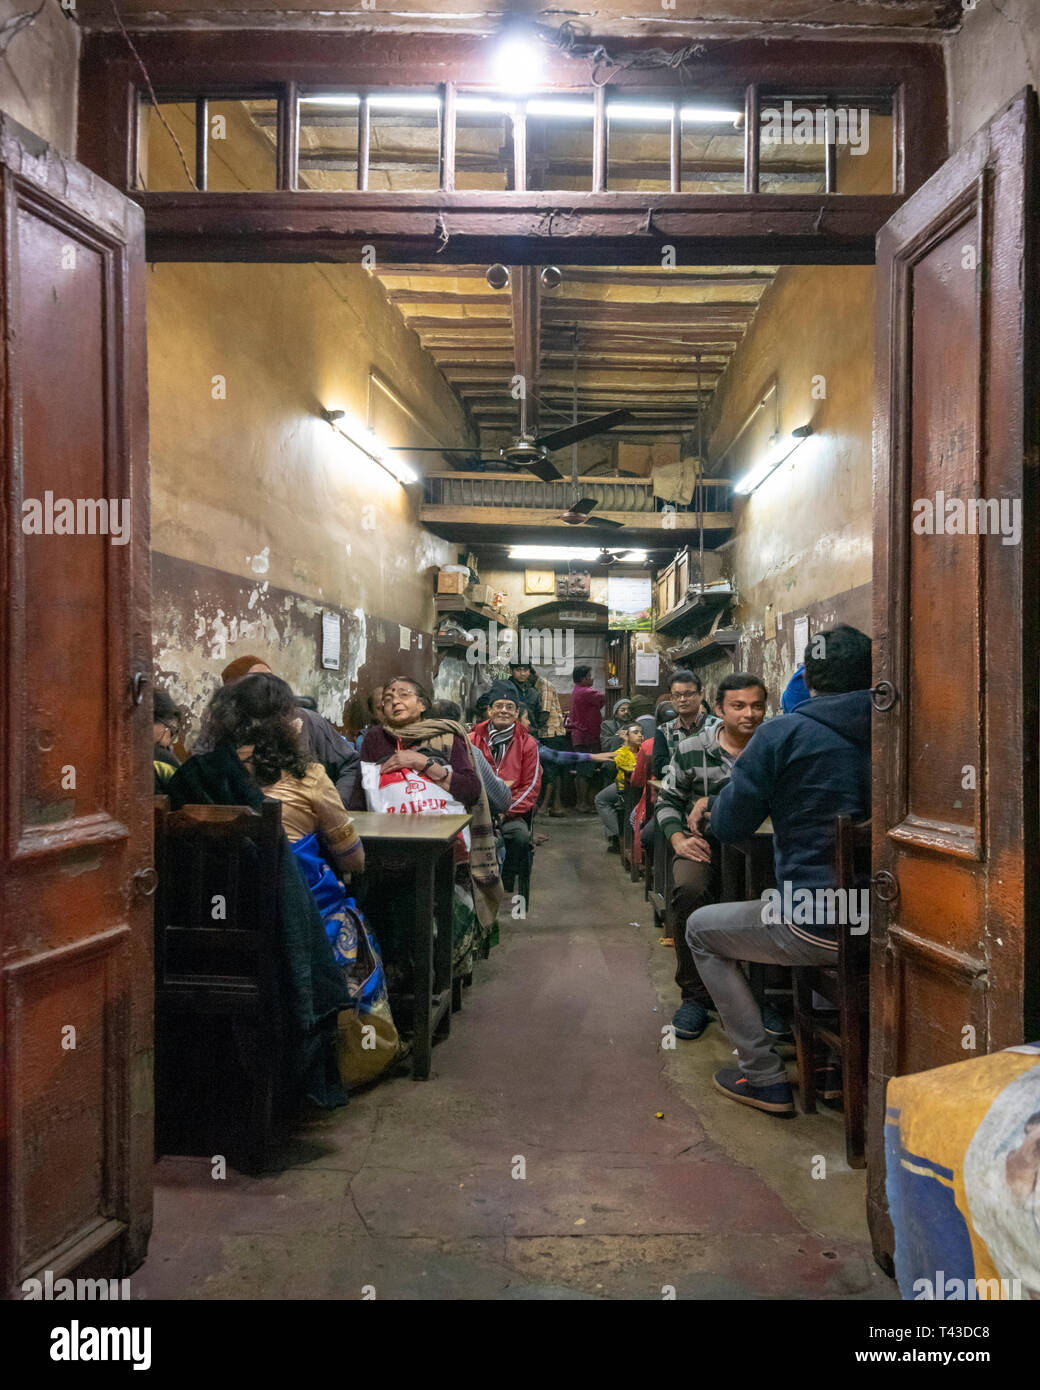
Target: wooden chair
<point x="626" y="835"/>
<point x="845" y="988"/>
<point x="217" y="957"/>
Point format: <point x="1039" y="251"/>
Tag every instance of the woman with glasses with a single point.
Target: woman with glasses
<point x="438" y="754"/>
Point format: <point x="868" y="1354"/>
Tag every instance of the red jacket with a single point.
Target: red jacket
<point x="521" y="766"/>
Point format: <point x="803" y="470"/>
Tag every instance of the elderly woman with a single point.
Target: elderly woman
<point x="438" y="754"/>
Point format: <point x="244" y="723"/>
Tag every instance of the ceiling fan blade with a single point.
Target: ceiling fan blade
<point x="425" y="449"/>
<point x="574" y="434"/>
<point x="548" y="472"/>
<point x="584" y="504"/>
<point x="604" y="521"/>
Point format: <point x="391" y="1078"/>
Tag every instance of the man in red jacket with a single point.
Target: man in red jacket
<point x="514" y="755"/>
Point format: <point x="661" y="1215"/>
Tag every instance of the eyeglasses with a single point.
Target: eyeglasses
<point x="173" y="729"/>
<point x="682" y="697"/>
<point x="501" y="708"/>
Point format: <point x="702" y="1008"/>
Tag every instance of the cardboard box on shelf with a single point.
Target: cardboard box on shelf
<point x="642" y="459"/>
<point x="448" y="583"/>
<point x="480" y="594"/>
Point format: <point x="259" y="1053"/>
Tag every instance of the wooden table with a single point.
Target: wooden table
<point x="425" y="843"/>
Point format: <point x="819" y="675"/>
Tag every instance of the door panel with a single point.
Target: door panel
<point x="955" y="932"/>
<point x="75" y="940"/>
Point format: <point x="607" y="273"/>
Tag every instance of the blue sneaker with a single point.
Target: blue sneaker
<point x="777" y="1099"/>
<point x="690" y="1020"/>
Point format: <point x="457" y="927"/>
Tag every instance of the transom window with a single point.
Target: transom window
<point x="454" y="140"/>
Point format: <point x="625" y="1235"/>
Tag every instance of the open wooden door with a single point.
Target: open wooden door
<point x="955" y="965"/>
<point x="75" y="724"/>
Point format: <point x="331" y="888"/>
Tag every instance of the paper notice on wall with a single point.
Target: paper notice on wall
<point x="406" y="639"/>
<point x="648" y="668"/>
<point x="801" y="638"/>
<point x="330" y="641"/>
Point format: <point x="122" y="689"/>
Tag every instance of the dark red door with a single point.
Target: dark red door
<point x="75" y="723"/>
<point x="955" y="933"/>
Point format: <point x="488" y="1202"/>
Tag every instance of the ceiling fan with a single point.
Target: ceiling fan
<point x="530" y="453"/>
<point x="579" y="513"/>
<point x="611" y="557"/>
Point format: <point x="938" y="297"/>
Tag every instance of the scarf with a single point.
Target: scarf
<point x="439" y="736"/>
<point x="499" y="740"/>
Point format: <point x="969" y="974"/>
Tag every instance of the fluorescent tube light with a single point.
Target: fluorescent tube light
<point x="369" y="444"/>
<point x="779" y="451"/>
<point x="635" y="111"/>
<point x="708" y="115"/>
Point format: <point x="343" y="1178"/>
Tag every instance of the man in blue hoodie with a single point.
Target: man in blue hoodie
<point x="802" y="771"/>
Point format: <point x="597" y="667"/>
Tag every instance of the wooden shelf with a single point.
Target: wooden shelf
<point x="700" y="610"/>
<point x="458" y="603"/>
<point x="722" y="642"/>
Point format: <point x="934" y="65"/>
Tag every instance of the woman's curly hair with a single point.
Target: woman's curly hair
<point x="258" y="710"/>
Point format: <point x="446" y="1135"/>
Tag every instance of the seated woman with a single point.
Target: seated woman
<point x="257" y="715"/>
<point x="439" y="755"/>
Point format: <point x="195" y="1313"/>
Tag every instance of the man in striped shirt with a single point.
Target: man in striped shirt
<point x="700" y="767"/>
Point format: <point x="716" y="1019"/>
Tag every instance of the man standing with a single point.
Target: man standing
<point x="803" y="771"/>
<point x="701" y="766"/>
<point x="586" y="719"/>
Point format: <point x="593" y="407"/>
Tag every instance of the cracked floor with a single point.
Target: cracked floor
<point x="553" y="1069"/>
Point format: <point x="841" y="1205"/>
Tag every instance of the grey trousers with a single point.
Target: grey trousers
<point x="607" y="802"/>
<point x="720" y="937"/>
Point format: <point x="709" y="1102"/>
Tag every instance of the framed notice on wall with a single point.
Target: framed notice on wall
<point x="629" y="603"/>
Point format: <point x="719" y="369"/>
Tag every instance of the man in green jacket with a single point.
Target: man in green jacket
<point x="700" y="767"/>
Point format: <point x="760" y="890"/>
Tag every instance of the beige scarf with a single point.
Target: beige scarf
<point x="440" y="735"/>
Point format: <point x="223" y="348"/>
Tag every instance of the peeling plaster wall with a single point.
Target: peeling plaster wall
<point x="995" y="53"/>
<point x="262" y="515"/>
<point x="39" y="72"/>
<point x="803" y="538"/>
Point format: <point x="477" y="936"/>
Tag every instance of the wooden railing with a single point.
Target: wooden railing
<point x="612" y="494"/>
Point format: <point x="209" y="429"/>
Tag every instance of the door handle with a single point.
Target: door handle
<point x="139" y="682"/>
<point x="146" y="881"/>
<point x="885" y="886"/>
<point x="883" y="696"/>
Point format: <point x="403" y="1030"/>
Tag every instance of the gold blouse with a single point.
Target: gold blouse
<point x="311" y="803"/>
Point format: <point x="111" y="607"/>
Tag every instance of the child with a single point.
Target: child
<point x="609" y="799"/>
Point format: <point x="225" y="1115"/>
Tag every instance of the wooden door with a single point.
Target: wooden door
<point x="75" y="809"/>
<point x="955" y="964"/>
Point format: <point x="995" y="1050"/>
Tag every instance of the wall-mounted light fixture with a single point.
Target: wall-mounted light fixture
<point x="367" y="442"/>
<point x="780" y="449"/>
<point x="519" y="55"/>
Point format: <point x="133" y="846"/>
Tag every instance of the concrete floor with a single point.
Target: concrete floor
<point x="555" y="1060"/>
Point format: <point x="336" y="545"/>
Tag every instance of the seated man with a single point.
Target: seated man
<point x="701" y="766"/>
<point x="505" y="742"/>
<point x="803" y="771"/>
<point x="609" y="799"/>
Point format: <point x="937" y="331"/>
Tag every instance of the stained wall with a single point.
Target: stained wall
<point x="39" y="72"/>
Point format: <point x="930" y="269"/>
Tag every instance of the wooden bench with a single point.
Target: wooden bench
<point x="845" y="989"/>
<point x="217" y="956"/>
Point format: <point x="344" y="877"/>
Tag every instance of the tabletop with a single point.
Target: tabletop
<point x="379" y="825"/>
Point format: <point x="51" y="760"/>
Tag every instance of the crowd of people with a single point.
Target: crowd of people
<point x="717" y="774"/>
